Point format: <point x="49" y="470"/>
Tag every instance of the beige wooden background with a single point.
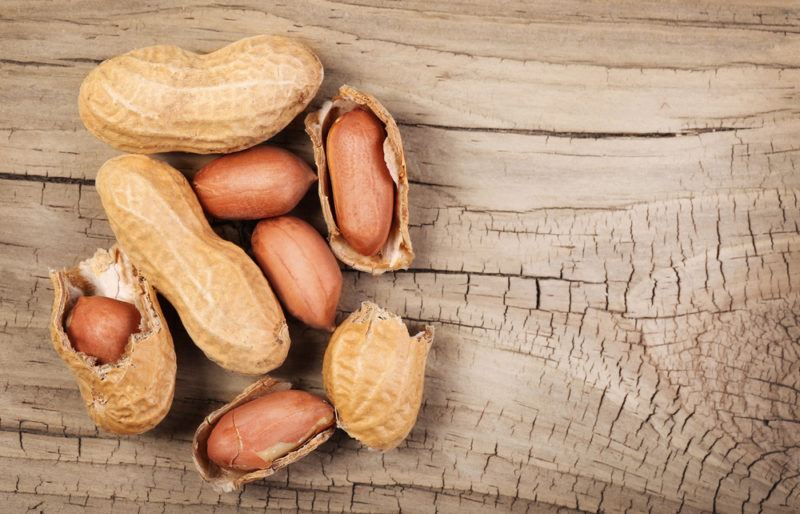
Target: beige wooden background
<point x="605" y="209"/>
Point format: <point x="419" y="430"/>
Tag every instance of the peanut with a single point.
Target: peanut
<point x="301" y="268"/>
<point x="373" y="374"/>
<point x="396" y="251"/>
<point x="222" y="297"/>
<point x="100" y="327"/>
<point x="135" y="393"/>
<point x="253" y="435"/>
<point x="363" y="190"/>
<point x="261" y="182"/>
<point x="304" y="432"/>
<point x="163" y="98"/>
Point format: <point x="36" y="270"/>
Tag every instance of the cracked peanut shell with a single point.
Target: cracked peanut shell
<point x="164" y="98"/>
<point x="374" y="373"/>
<point x="220" y="294"/>
<point x="230" y="479"/>
<point x="397" y="252"/>
<point x="134" y="393"/>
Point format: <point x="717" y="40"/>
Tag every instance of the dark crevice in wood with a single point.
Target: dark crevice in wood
<point x="33" y="63"/>
<point x="577" y="135"/>
<point x="48" y="179"/>
<point x="426" y="271"/>
<point x="431" y="184"/>
<point x="81" y="60"/>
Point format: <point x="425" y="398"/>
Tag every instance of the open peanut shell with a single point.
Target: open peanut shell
<point x="227" y="480"/>
<point x="397" y="252"/>
<point x="374" y="373"/>
<point x="133" y="394"/>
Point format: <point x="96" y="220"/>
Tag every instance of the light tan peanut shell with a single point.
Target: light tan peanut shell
<point x="163" y="98"/>
<point x="222" y="297"/>
<point x="373" y="373"/>
<point x="133" y="394"/>
<point x="230" y="479"/>
<point x="301" y="268"/>
<point x="397" y="252"/>
<point x="261" y="182"/>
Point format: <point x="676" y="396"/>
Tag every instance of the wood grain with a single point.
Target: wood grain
<point x="604" y="206"/>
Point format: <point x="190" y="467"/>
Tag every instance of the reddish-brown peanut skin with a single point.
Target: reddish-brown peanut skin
<point x="261" y="182"/>
<point x="301" y="268"/>
<point x="253" y="435"/>
<point x="363" y="190"/>
<point x="100" y="327"/>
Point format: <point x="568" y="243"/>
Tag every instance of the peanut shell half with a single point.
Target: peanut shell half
<point x="374" y="373"/>
<point x="397" y="252"/>
<point x="226" y="479"/>
<point x="133" y="394"/>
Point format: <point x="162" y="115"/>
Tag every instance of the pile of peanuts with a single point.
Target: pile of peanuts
<point x="107" y="324"/>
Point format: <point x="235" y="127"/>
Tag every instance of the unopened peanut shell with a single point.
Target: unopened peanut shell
<point x="164" y="98"/>
<point x="222" y="297"/>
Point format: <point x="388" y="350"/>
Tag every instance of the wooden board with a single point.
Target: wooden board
<point x="605" y="209"/>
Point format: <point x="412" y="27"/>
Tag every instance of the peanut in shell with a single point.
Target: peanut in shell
<point x="227" y="479"/>
<point x="397" y="252"/>
<point x="222" y="297"/>
<point x="134" y="393"/>
<point x="164" y="98"/>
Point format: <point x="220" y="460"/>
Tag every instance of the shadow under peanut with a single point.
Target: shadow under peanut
<point x="201" y="385"/>
<point x="303" y="365"/>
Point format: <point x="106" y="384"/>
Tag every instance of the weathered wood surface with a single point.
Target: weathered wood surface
<point x="605" y="210"/>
